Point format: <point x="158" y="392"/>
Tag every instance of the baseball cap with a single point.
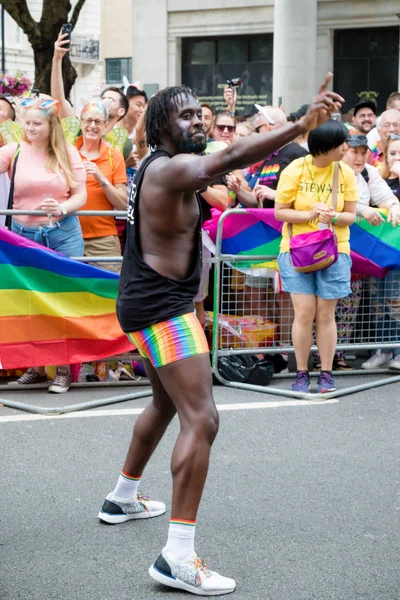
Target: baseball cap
<point x="294" y="116"/>
<point x="9" y="101"/>
<point x="357" y="140"/>
<point x="365" y="104"/>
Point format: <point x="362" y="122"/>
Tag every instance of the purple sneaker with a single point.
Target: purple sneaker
<point x="326" y="383"/>
<point x="302" y="382"/>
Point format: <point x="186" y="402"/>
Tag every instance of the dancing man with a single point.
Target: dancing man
<point x="159" y="280"/>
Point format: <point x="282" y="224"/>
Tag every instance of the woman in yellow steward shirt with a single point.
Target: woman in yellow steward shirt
<point x="304" y="198"/>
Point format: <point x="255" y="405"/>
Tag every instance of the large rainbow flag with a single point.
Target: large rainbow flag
<point x="54" y="310"/>
<point x="373" y="249"/>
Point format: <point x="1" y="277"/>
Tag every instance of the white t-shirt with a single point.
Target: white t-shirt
<point x="375" y="191"/>
<point x="373" y="137"/>
<point x="4" y="192"/>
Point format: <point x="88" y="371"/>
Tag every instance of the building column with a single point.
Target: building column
<point x="150" y="45"/>
<point x="295" y="52"/>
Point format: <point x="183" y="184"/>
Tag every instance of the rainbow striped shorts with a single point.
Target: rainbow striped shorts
<point x="167" y="342"/>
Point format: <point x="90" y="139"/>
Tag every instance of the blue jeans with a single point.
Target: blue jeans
<point x="65" y="236"/>
<point x="385" y="305"/>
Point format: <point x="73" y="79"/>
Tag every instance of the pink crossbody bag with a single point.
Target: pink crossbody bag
<point x="316" y="250"/>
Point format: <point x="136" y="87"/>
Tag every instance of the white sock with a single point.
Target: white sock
<point x="180" y="543"/>
<point x="127" y="486"/>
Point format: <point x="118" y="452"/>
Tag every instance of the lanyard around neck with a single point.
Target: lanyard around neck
<point x="320" y="198"/>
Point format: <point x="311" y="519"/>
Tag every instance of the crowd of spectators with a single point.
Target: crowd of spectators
<point x="95" y="175"/>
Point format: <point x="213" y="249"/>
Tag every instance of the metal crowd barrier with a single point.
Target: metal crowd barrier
<point x="250" y="317"/>
<point x="93" y="403"/>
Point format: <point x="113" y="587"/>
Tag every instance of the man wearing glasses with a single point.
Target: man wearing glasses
<point x="389" y="124"/>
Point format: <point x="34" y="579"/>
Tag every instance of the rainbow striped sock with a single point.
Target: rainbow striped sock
<point x="127" y="486"/>
<point x="180" y="543"/>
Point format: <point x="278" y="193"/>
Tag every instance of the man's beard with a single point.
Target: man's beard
<point x="189" y="146"/>
<point x="363" y="129"/>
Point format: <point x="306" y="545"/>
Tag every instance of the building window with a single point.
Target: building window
<point x="208" y="62"/>
<point x="366" y="64"/>
<point x="117" y="68"/>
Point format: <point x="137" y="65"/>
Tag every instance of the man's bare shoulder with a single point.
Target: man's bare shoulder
<point x="167" y="175"/>
<point x="175" y="163"/>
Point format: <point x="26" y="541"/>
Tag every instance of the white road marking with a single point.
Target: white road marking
<point x="114" y="412"/>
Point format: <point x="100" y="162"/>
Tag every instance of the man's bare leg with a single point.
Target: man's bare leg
<point x="150" y="426"/>
<point x="123" y="503"/>
<point x="188" y="383"/>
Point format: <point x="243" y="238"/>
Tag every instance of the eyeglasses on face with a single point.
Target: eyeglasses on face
<point x="388" y="125"/>
<point x="229" y="128"/>
<point x="96" y="122"/>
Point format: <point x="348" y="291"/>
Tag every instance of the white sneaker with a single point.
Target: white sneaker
<point x="394" y="364"/>
<point x="192" y="576"/>
<point x="379" y="359"/>
<point x="117" y="510"/>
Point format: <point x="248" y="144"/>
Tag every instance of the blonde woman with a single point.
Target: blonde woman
<point x="50" y="176"/>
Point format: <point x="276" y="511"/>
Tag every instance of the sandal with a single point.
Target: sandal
<point x="31" y="376"/>
<point x="339" y="364"/>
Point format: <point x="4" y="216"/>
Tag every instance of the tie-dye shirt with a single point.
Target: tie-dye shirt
<point x="269" y="172"/>
<point x="375" y="155"/>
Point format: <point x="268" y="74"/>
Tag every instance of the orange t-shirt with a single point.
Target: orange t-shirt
<point x="112" y="165"/>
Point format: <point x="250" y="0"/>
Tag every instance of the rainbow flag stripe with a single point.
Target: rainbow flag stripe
<point x="170" y="341"/>
<point x="373" y="249"/>
<point x="182" y="522"/>
<point x="54" y="310"/>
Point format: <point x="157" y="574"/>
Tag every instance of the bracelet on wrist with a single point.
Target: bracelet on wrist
<point x="335" y="218"/>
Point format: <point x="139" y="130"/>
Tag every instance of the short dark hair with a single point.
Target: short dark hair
<point x="329" y="136"/>
<point x="133" y="91"/>
<point x="159" y="111"/>
<point x="206" y="105"/>
<point x="123" y="100"/>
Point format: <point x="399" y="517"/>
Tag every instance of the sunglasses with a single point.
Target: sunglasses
<point x="229" y="128"/>
<point x="46" y="104"/>
<point x="96" y="122"/>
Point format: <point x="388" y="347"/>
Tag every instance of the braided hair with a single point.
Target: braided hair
<point x="159" y="111"/>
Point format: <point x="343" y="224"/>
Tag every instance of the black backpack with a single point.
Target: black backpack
<point x="245" y="368"/>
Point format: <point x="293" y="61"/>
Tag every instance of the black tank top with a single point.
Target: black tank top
<point x="145" y="296"/>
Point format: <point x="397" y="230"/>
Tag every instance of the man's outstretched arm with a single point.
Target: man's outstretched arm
<point x="185" y="172"/>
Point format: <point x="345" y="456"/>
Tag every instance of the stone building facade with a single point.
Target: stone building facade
<point x="281" y="48"/>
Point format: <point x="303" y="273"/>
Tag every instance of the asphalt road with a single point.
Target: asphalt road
<point x="302" y="500"/>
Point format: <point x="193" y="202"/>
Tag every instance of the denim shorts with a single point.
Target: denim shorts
<point x="329" y="284"/>
<point x="64" y="236"/>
